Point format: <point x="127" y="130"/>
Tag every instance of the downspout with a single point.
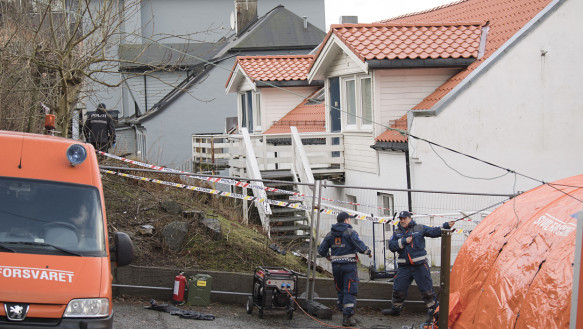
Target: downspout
<point x="408" y="172"/>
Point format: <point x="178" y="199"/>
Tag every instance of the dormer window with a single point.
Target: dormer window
<point x="357" y="111"/>
<point x="250" y="111"/>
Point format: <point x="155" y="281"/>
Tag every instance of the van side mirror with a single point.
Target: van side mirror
<point x="123" y="249"/>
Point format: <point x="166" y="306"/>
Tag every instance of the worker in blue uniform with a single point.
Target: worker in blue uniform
<point x="340" y="247"/>
<point x="409" y="242"/>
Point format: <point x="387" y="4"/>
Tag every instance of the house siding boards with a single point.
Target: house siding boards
<point x="530" y="124"/>
<point x="276" y="103"/>
<point x="343" y="65"/>
<point x="152" y="88"/>
<point x="400" y="90"/>
<point x="357" y="152"/>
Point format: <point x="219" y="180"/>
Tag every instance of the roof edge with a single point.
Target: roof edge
<point x="419" y="62"/>
<point x="289" y="83"/>
<point x="390" y="146"/>
<point x="498" y="54"/>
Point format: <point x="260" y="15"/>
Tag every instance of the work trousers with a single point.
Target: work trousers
<point x="403" y="279"/>
<point x="346" y="280"/>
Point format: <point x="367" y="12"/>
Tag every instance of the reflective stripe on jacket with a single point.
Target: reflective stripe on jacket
<point x="413" y="253"/>
<point x="343" y="243"/>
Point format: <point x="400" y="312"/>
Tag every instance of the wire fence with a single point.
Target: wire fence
<point x="431" y="208"/>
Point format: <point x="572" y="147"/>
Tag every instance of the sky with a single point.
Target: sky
<point x="375" y="10"/>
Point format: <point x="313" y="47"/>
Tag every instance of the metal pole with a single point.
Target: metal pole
<point x="384" y="247"/>
<point x="444" y="278"/>
<point x="316" y="239"/>
<point x="311" y="241"/>
<point x="374" y="254"/>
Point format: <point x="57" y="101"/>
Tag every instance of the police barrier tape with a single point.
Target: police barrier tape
<point x="238" y="196"/>
<point x="380" y="220"/>
<point x="230" y="181"/>
<point x="252" y="186"/>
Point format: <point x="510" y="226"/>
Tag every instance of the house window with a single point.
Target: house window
<point x="358" y="102"/>
<point x="350" y="102"/>
<point x="352" y="206"/>
<point x="387" y="203"/>
<point x="250" y="110"/>
<point x="258" y="111"/>
<point x="366" y="101"/>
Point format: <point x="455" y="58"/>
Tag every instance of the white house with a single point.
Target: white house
<point x="485" y="89"/>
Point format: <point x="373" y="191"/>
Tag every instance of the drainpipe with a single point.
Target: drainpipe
<point x="408" y="171"/>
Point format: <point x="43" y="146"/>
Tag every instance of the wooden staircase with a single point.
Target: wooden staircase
<point x="288" y="224"/>
<point x="285" y="224"/>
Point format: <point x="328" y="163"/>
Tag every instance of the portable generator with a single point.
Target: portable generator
<point x="273" y="288"/>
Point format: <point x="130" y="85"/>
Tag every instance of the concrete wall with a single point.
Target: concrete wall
<point x="242" y="283"/>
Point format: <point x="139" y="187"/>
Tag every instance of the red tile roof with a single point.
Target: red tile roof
<point x="410" y="41"/>
<point x="392" y="135"/>
<point x="275" y="68"/>
<point x="307" y="117"/>
<point x="505" y="17"/>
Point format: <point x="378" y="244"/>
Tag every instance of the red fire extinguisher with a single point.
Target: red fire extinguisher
<point x="179" y="287"/>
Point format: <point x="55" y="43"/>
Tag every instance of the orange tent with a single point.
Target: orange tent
<point x="515" y="270"/>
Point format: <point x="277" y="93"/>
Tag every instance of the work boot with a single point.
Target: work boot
<point x="394" y="311"/>
<point x="348" y="321"/>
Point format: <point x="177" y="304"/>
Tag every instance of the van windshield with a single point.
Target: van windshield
<point x="46" y="217"/>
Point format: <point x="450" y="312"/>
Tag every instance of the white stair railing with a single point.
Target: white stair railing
<point x="301" y="169"/>
<point x="253" y="172"/>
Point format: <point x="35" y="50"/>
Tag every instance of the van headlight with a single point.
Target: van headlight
<point x="76" y="154"/>
<point x="87" y="308"/>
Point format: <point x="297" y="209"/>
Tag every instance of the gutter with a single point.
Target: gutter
<point x="290" y="83"/>
<point x="465" y="83"/>
<point x="390" y="146"/>
<point x="416" y="63"/>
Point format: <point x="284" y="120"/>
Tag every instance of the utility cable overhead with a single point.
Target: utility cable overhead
<point x="331" y="107"/>
<point x="403" y="132"/>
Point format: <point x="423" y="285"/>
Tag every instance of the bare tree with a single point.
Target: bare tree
<point x="54" y="52"/>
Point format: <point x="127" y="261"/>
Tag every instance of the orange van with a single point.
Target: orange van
<point x="55" y="269"/>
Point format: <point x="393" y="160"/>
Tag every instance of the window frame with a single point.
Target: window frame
<point x="242" y="104"/>
<point x="359" y="123"/>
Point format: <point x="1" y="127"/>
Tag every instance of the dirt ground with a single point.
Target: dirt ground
<point x="131" y="204"/>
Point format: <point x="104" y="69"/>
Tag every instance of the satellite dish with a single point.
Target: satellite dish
<point x="232" y="20"/>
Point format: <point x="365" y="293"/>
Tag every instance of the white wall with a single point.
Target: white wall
<point x="342" y="64"/>
<point x="276" y="102"/>
<point x="398" y="90"/>
<point x="524" y="113"/>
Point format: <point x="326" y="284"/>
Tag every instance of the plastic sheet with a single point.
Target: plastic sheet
<point x="173" y="310"/>
<point x="515" y="269"/>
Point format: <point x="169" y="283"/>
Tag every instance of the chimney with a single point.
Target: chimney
<point x="305" y="21"/>
<point x="245" y="13"/>
<point x="349" y="19"/>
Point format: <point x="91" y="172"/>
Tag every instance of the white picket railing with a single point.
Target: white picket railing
<point x="247" y="155"/>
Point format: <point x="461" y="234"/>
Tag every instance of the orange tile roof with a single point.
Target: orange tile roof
<point x="307" y="117"/>
<point x="410" y="41"/>
<point x="392" y="135"/>
<point x="505" y="18"/>
<point x="275" y="68"/>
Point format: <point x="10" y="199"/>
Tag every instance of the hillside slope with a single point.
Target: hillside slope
<point x="131" y="204"/>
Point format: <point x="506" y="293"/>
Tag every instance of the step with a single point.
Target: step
<point x="284" y="210"/>
<point x="276" y="174"/>
<point x="289" y="228"/>
<point x="290" y="237"/>
<point x="287" y="219"/>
